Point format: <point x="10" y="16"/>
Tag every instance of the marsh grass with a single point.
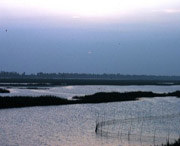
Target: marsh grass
<point x="27" y="101"/>
<point x="102" y="97"/>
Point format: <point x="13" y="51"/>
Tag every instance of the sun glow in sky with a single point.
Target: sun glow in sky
<point x="90" y="36"/>
<point x="77" y="8"/>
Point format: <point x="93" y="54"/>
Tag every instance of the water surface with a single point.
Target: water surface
<point x="75" y="124"/>
<point x="70" y="91"/>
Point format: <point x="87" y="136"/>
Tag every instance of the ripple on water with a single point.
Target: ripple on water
<point x="74" y="124"/>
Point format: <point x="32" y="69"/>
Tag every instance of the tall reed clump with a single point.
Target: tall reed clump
<point x="176" y="143"/>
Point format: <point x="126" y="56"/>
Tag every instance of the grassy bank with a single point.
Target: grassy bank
<point x="27" y="101"/>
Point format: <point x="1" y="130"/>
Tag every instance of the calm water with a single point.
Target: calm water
<point x="75" y="124"/>
<point x="70" y="91"/>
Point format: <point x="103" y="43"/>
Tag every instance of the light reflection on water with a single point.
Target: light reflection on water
<point x="74" y="124"/>
<point x="70" y="91"/>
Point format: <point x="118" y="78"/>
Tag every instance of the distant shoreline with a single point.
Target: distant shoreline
<point x="68" y="82"/>
<point x="101" y="97"/>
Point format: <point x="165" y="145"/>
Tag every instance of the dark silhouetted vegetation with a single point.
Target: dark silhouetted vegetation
<point x="34" y="88"/>
<point x="26" y="101"/>
<point x="127" y="96"/>
<point x="176" y="143"/>
<point x="4" y="90"/>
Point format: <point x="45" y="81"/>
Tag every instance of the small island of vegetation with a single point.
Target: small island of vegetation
<point x="117" y="97"/>
<point x="4" y="90"/>
<point x="102" y="97"/>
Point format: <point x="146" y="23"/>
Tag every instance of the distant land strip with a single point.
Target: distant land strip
<point x="101" y="97"/>
<point x="104" y="76"/>
<point x="68" y="82"/>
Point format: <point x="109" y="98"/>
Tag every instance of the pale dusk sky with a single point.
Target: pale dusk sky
<point x="90" y="36"/>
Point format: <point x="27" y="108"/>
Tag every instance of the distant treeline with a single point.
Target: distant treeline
<point x="41" y="75"/>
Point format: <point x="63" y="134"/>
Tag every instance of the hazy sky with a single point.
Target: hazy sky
<point x="90" y="36"/>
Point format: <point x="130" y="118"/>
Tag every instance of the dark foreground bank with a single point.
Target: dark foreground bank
<point x="27" y="101"/>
